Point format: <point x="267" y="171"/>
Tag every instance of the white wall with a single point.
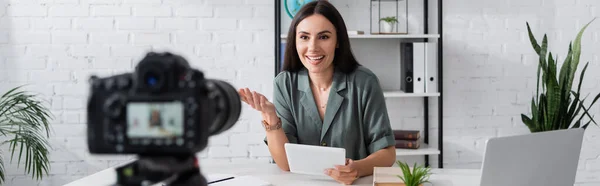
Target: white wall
<point x="54" y="45"/>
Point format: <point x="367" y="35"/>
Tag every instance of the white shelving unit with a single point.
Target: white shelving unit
<point x="401" y="94"/>
<point x="407" y="36"/>
<point x="424" y="149"/>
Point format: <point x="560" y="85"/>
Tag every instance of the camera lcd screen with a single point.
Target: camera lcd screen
<point x="155" y="119"/>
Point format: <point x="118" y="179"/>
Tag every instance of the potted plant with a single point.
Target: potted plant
<point x="557" y="106"/>
<point x="415" y="177"/>
<point x="388" y="23"/>
<point x="25" y="121"/>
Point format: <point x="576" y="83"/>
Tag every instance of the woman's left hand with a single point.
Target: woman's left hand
<point x="345" y="174"/>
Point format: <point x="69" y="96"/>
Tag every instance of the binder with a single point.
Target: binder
<point x="431" y="69"/>
<point x="282" y="54"/>
<point x="413" y="67"/>
<point x="419" y="67"/>
<point x="406" y="64"/>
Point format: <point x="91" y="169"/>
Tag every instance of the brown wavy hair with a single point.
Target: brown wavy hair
<point x="344" y="58"/>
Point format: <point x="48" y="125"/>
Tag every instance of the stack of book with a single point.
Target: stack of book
<point x="407" y="139"/>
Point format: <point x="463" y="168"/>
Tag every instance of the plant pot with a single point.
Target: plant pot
<point x="387" y="27"/>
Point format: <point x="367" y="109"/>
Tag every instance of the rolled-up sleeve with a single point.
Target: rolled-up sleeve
<point x="281" y="100"/>
<point x="377" y="128"/>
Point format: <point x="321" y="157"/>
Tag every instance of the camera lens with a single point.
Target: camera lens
<point x="153" y="79"/>
<point x="228" y="105"/>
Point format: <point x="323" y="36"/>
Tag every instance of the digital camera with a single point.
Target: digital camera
<point x="164" y="107"/>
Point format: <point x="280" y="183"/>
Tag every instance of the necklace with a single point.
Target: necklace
<point x="322" y="91"/>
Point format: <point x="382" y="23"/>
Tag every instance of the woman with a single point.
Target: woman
<point x="155" y="119"/>
<point x="324" y="97"/>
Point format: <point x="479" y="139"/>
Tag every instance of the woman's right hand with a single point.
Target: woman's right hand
<point x="257" y="101"/>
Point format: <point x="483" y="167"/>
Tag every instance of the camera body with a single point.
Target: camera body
<point x="163" y="108"/>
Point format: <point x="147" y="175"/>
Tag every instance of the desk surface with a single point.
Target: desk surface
<point x="272" y="174"/>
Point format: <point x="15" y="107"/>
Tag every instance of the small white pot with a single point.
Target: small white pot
<point x="387" y="27"/>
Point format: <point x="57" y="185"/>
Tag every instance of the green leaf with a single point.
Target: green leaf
<point x="554" y="94"/>
<point x="535" y="117"/>
<point x="542" y="61"/>
<point x="528" y="122"/>
<point x="532" y="39"/>
<point x="566" y="68"/>
<point x="551" y="67"/>
<point x="543" y="113"/>
<point x="577" y="124"/>
<point x="417" y="176"/>
<point x="591" y="104"/>
<point x="565" y="119"/>
<point x="25" y="120"/>
<point x="576" y="94"/>
<point x="575" y="107"/>
<point x="577" y="52"/>
<point x="586" y="125"/>
<point x="585" y="110"/>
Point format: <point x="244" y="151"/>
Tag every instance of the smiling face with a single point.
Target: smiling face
<point x="316" y="41"/>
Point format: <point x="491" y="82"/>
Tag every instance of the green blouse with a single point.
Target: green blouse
<point x="356" y="116"/>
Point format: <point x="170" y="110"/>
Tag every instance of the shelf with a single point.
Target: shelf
<point x="398" y="94"/>
<point x="388" y="36"/>
<point x="423" y="150"/>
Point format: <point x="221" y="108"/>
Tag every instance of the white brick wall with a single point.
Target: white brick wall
<point x="56" y="45"/>
<point x="488" y="77"/>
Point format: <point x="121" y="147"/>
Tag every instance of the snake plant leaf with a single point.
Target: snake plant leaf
<point x="551" y="67"/>
<point x="577" y="124"/>
<point x="575" y="108"/>
<point x="575" y="105"/>
<point x="591" y="104"/>
<point x="537" y="49"/>
<point x="543" y="105"/>
<point x="586" y="125"/>
<point x="537" y="86"/>
<point x="534" y="43"/>
<point x="581" y="77"/>
<point x="565" y="119"/>
<point x="542" y="60"/>
<point x="577" y="51"/>
<point x="579" y="107"/>
<point x="554" y="93"/>
<point x="535" y="118"/>
<point x="585" y="110"/>
<point x="566" y="67"/>
<point x="528" y="122"/>
<point x="579" y="88"/>
<point x="595" y="99"/>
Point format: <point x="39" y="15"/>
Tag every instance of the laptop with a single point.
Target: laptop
<point x="536" y="159"/>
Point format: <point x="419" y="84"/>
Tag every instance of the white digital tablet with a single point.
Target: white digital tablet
<point x="312" y="159"/>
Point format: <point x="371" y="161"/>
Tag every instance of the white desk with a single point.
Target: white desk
<point x="272" y="174"/>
